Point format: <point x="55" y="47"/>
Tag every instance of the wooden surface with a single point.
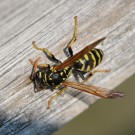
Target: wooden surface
<point x="50" y="23"/>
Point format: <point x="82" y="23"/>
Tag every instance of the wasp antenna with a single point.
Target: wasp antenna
<point x="75" y="17"/>
<point x="31" y="61"/>
<point x="33" y="42"/>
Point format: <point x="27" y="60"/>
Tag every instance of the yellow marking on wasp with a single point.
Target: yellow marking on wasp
<point x="86" y="57"/>
<point x="70" y="72"/>
<point x="99" y="60"/>
<point x="77" y="61"/>
<point x="63" y="78"/>
<point x="43" y="65"/>
<point x="50" y="78"/>
<point x="94" y="59"/>
<point x="40" y="74"/>
<point x="81" y="61"/>
<point x="56" y="87"/>
<point x="51" y="68"/>
<point x="66" y="68"/>
<point x="83" y="65"/>
<point x="52" y="83"/>
<point x="61" y="73"/>
<point x="46" y="80"/>
<point x="88" y="68"/>
<point x="54" y="70"/>
<point x="65" y="71"/>
<point x="68" y="75"/>
<point x="82" y="69"/>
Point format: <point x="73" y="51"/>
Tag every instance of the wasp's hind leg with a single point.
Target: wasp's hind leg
<point x="49" y="55"/>
<point x="57" y="94"/>
<point x="91" y="73"/>
<point x="68" y="50"/>
<point x="78" y="74"/>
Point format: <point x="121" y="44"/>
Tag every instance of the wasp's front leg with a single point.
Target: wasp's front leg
<point x="49" y="55"/>
<point x="57" y="94"/>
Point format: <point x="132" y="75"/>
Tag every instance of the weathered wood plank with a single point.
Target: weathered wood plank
<point x="51" y="25"/>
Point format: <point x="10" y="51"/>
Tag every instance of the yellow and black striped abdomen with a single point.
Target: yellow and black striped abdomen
<point x="89" y="60"/>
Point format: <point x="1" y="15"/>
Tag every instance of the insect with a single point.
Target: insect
<point x="45" y="76"/>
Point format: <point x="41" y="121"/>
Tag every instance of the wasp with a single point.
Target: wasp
<point x="46" y="76"/>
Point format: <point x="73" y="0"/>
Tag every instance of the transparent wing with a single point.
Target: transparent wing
<point x="80" y="54"/>
<point x="95" y="90"/>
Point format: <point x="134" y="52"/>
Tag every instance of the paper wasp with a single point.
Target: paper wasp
<point x="46" y="76"/>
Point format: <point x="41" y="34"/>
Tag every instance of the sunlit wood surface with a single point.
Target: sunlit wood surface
<point x="50" y="23"/>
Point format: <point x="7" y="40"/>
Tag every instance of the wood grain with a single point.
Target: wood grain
<point x="50" y="23"/>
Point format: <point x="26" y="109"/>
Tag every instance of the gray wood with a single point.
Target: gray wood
<point x="50" y="23"/>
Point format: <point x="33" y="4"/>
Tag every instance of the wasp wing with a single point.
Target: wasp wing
<point x="98" y="91"/>
<point x="80" y="54"/>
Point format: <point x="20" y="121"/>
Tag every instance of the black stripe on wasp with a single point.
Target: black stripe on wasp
<point x="45" y="76"/>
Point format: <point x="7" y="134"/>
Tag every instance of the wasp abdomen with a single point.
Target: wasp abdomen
<point x="89" y="60"/>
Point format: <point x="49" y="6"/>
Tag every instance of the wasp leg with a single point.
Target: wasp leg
<point x="39" y="66"/>
<point x="70" y="52"/>
<point x="49" y="55"/>
<point x="57" y="94"/>
<point x="81" y="74"/>
<point x="90" y="75"/>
